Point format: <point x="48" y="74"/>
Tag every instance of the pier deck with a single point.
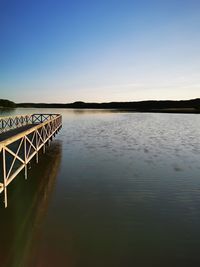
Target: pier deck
<point x="21" y="138"/>
<point x="13" y="132"/>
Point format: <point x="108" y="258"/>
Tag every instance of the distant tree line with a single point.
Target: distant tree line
<point x="150" y="105"/>
<point x="4" y="103"/>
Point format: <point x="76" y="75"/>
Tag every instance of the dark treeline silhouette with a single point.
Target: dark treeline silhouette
<point x="188" y="106"/>
<point x="142" y="106"/>
<point x="4" y="103"/>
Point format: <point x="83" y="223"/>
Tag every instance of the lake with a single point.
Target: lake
<point x="113" y="189"/>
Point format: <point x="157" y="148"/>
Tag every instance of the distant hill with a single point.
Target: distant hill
<point x="141" y="106"/>
<point x="4" y="103"/>
<point x="186" y="106"/>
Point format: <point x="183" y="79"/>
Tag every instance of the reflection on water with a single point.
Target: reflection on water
<point x="6" y="111"/>
<point x="28" y="205"/>
<point x="127" y="193"/>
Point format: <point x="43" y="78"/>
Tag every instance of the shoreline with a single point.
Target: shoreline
<point x="170" y="110"/>
<point x="191" y="106"/>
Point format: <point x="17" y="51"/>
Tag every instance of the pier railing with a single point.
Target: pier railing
<point x="9" y="123"/>
<point x="17" y="150"/>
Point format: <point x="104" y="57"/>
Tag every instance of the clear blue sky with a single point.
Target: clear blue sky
<point x="99" y="50"/>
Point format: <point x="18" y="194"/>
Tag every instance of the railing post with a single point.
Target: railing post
<point x="36" y="145"/>
<point x="25" y="159"/>
<point x="4" y="179"/>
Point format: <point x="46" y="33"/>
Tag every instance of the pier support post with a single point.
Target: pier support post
<point x="37" y="157"/>
<point x="5" y="197"/>
<point x="43" y="148"/>
<point x="25" y="172"/>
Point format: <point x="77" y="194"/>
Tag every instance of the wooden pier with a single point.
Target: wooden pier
<point x="21" y="138"/>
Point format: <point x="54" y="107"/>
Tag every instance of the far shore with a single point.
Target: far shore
<point x="161" y="106"/>
<point x="157" y="106"/>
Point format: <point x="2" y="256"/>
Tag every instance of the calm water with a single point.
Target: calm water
<point x="113" y="189"/>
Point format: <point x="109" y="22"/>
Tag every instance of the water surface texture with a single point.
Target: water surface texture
<point x="113" y="189"/>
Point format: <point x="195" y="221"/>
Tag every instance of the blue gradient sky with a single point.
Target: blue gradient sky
<point x="99" y="50"/>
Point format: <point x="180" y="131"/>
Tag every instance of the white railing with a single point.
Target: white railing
<point x="17" y="151"/>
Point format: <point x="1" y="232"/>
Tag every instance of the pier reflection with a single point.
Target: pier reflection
<point x="29" y="202"/>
